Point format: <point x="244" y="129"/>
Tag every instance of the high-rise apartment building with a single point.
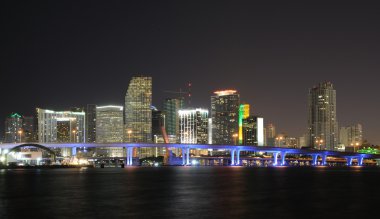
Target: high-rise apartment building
<point x="322" y="119"/>
<point x="351" y="136"/>
<point x="13" y="128"/>
<point x="225" y="117"/>
<point x="171" y="108"/>
<point x="253" y="131"/>
<point x="110" y="129"/>
<point x="91" y="123"/>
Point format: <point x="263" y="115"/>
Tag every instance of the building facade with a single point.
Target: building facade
<point x="351" y="136"/>
<point x="253" y="131"/>
<point x="225" y="117"/>
<point x="29" y="129"/>
<point x="110" y="129"/>
<point x="13" y="128"/>
<point x="244" y="112"/>
<point x="60" y="126"/>
<point x="193" y="125"/>
<point x="91" y="123"/>
<point x="138" y="113"/>
<point x="171" y="108"/>
<point x="322" y="119"/>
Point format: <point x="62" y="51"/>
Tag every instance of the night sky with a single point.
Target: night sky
<point x="61" y="54"/>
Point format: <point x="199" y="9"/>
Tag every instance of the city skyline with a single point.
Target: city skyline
<point x="262" y="51"/>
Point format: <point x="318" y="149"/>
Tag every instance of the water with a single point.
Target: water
<point x="190" y="192"/>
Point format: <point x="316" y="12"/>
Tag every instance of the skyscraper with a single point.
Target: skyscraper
<point x="243" y="114"/>
<point x="171" y="107"/>
<point x="225" y="117"/>
<point x="193" y="126"/>
<point x="270" y="135"/>
<point x="13" y="128"/>
<point x="109" y="129"/>
<point x="91" y="123"/>
<point x="253" y="131"/>
<point x="322" y="120"/>
<point x="29" y="129"/>
<point x="63" y="126"/>
<point x="138" y="112"/>
<point x="50" y="123"/>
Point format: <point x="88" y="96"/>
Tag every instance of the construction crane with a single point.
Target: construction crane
<point x="181" y="93"/>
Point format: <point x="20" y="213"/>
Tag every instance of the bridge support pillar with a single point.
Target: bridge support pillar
<point x="187" y="156"/>
<point x="238" y="157"/>
<point x="314" y="161"/>
<point x="183" y="156"/>
<point x="73" y="151"/>
<point x="275" y="158"/>
<point x="283" y="156"/>
<point x="232" y="157"/>
<point x="360" y="160"/>
<point x="349" y="161"/>
<point x="324" y="160"/>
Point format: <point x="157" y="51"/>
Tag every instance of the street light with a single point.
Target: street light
<point x="20" y="132"/>
<point x="74" y="136"/>
<point x="129" y="135"/>
<point x="356" y="144"/>
<point x="235" y="137"/>
<point x="319" y="142"/>
<point x="279" y="139"/>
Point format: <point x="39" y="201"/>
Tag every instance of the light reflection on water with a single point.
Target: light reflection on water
<point x="189" y="192"/>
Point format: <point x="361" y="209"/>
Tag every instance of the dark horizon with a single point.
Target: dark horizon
<point x="59" y="55"/>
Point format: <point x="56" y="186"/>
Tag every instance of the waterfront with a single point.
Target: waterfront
<point x="189" y="192"/>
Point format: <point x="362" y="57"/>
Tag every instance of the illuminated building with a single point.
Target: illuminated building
<point x="225" y="117"/>
<point x="138" y="113"/>
<point x="29" y="129"/>
<point x="322" y="120"/>
<point x="171" y="107"/>
<point x="91" y="123"/>
<point x="13" y="128"/>
<point x="109" y="129"/>
<point x="243" y="114"/>
<point x="270" y="134"/>
<point x="62" y="126"/>
<point x="351" y="136"/>
<point x="253" y="131"/>
<point x="193" y="126"/>
<point x="158" y="122"/>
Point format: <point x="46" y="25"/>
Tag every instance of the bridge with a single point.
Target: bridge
<point x="279" y="153"/>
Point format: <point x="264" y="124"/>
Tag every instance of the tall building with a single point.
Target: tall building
<point x="193" y="126"/>
<point x="91" y="123"/>
<point x="109" y="129"/>
<point x="138" y="112"/>
<point x="270" y="134"/>
<point x="225" y="117"/>
<point x="63" y="126"/>
<point x="253" y="131"/>
<point x="13" y="128"/>
<point x="171" y="107"/>
<point x="158" y="122"/>
<point x="322" y="120"/>
<point x="243" y="114"/>
<point x="351" y="136"/>
<point x="29" y="129"/>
